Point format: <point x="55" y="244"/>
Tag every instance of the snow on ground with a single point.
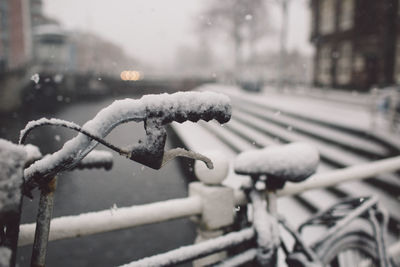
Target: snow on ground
<point x="318" y="130"/>
<point x="353" y="114"/>
<point x="332" y="109"/>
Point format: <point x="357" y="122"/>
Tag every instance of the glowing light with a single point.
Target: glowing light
<point x="123" y="75"/>
<point x="131" y="75"/>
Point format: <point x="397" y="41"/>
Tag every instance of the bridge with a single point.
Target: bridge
<point x="20" y="87"/>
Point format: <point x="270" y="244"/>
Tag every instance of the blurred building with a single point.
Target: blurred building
<point x="357" y="43"/>
<point x="37" y="17"/>
<point x="51" y="49"/>
<point x="93" y="54"/>
<point x="57" y="51"/>
<point x="15" y="34"/>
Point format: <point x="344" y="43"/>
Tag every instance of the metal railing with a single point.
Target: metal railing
<point x="212" y="202"/>
<point x="209" y="201"/>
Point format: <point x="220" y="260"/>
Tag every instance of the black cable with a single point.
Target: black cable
<point x="72" y="126"/>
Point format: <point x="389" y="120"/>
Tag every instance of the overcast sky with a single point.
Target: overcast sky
<point x="152" y="30"/>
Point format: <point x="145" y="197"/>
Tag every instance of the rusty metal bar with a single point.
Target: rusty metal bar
<point x="43" y="219"/>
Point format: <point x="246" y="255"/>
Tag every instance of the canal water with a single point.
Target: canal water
<point x="128" y="183"/>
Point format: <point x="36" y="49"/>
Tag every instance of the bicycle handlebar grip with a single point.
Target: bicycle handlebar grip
<point x="179" y="107"/>
<point x="192" y="106"/>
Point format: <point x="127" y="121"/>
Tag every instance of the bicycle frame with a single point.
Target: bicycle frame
<point x="341" y="215"/>
<point x="268" y="242"/>
<point x="336" y="218"/>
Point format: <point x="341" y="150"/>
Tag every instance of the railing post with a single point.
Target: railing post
<point x="12" y="161"/>
<point x="218" y="204"/>
<point x="45" y="213"/>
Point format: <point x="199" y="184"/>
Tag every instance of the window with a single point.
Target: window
<point x="346" y="15"/>
<point x="344" y="64"/>
<point x="327" y="16"/>
<point x="324" y="65"/>
<point x="358" y="63"/>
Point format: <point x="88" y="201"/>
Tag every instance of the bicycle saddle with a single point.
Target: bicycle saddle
<point x="292" y="162"/>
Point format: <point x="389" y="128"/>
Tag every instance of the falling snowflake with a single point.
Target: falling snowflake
<point x="58" y="78"/>
<point x="248" y="17"/>
<point x="113" y="208"/>
<point x="35" y="78"/>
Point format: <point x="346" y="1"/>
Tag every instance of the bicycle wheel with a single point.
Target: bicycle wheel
<point x="351" y="248"/>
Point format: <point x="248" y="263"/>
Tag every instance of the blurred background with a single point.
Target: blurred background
<point x="69" y="59"/>
<point x="61" y="50"/>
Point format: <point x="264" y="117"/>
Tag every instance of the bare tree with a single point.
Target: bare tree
<point x="244" y="21"/>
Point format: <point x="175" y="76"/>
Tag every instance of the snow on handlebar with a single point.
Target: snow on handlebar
<point x="154" y="110"/>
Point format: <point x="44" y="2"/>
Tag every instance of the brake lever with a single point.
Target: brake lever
<point x="152" y="153"/>
<point x="181" y="152"/>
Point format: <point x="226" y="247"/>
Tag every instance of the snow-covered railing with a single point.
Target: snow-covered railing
<point x="114" y="219"/>
<point x="210" y="201"/>
<point x="332" y="178"/>
<point x="154" y="110"/>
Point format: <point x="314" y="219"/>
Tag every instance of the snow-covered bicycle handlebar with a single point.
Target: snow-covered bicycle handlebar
<point x="154" y="110"/>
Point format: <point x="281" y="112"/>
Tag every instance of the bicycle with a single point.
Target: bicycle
<point x="267" y="177"/>
<point x="354" y="226"/>
<point x="156" y="111"/>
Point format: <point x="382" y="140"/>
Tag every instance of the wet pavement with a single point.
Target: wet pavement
<point x="128" y="183"/>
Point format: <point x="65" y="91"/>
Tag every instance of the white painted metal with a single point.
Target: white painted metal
<point x="109" y="220"/>
<point x="114" y="219"/>
<point x="352" y="173"/>
<point x="394" y="249"/>
<point x="188" y="252"/>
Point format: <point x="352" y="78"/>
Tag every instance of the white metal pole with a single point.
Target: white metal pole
<point x="114" y="219"/>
